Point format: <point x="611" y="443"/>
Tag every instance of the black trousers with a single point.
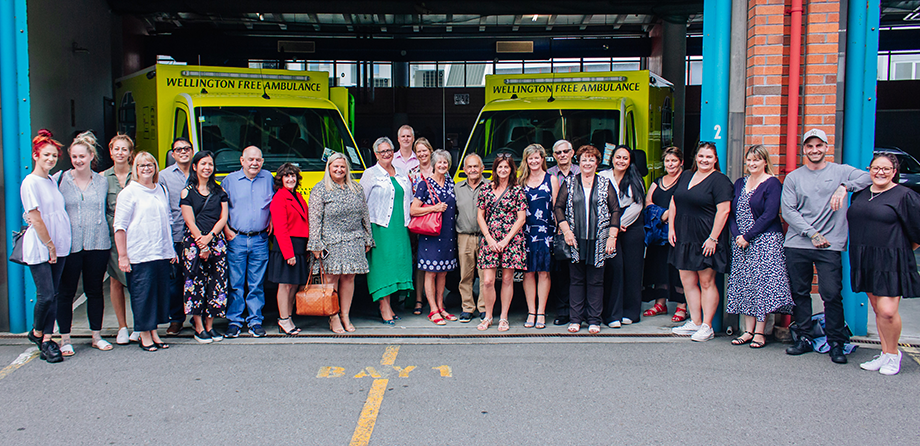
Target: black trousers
<point x="560" y="289"/>
<point x="92" y="266"/>
<point x="47" y="278"/>
<point x="176" y="287"/>
<point x="800" y="263"/>
<point x="148" y="283"/>
<point x="586" y="292"/>
<point x="624" y="295"/>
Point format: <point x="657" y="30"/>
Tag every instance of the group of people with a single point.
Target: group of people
<point x="184" y="245"/>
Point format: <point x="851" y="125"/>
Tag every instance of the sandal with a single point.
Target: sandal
<point x="755" y="344"/>
<point x="447" y="315"/>
<point x="573" y="328"/>
<point x="161" y="345"/>
<point x="147" y="348"/>
<point x="436" y="318"/>
<point x="540" y="325"/>
<point x="337" y="329"/>
<point x="346" y="323"/>
<point x="67" y="349"/>
<point x="528" y="323"/>
<point x="503" y="325"/>
<point x="594" y="329"/>
<point x="680" y="315"/>
<point x="740" y="339"/>
<point x="484" y="325"/>
<point x="418" y="308"/>
<point x="102" y="344"/>
<point x="293" y="332"/>
<point x="656" y="310"/>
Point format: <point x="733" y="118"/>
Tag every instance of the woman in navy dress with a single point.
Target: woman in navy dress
<point x="541" y="189"/>
<point x="758" y="283"/>
<point x="884" y="224"/>
<point x="699" y="210"/>
<point x="437" y="254"/>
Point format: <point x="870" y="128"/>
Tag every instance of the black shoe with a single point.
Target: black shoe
<point x="215" y="336"/>
<point x="482" y="315"/>
<point x="803" y="345"/>
<point x="203" y="337"/>
<point x="561" y="320"/>
<point x="51" y="352"/>
<point x="465" y="317"/>
<point x="233" y="331"/>
<point x="836" y="353"/>
<point x="256" y="330"/>
<point x="37" y="340"/>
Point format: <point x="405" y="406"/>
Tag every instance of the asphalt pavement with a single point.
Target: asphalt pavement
<point x="454" y="392"/>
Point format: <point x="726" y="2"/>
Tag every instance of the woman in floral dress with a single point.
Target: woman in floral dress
<point x="541" y="189"/>
<point x="501" y="215"/>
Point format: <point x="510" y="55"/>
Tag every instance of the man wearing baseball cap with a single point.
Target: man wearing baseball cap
<point x="814" y="205"/>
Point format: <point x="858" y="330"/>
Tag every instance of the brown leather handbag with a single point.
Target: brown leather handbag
<point x="317" y="298"/>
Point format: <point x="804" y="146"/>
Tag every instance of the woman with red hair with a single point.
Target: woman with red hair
<point x="46" y="243"/>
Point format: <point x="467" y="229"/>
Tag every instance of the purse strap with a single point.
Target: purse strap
<point x="434" y="197"/>
<point x="322" y="269"/>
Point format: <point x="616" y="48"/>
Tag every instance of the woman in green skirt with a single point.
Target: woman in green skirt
<point x="388" y="192"/>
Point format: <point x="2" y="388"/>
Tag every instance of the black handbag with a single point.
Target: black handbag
<point x="561" y="250"/>
<point x="16" y="255"/>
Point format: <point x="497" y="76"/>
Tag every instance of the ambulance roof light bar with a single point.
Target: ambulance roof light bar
<point x="566" y="80"/>
<point x="274" y="77"/>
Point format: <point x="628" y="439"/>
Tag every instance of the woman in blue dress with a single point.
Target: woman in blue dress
<point x="437" y="254"/>
<point x="540" y="188"/>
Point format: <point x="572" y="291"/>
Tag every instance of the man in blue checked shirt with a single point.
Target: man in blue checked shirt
<point x="250" y="191"/>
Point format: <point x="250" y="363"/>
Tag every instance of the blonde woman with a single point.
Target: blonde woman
<point x="121" y="149"/>
<point x="84" y="194"/>
<point x="341" y="230"/>
<point x="144" y="242"/>
<point x="541" y="189"/>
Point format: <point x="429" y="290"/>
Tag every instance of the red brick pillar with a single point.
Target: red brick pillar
<point x="767" y="82"/>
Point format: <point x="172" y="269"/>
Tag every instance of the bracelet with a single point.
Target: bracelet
<point x="713" y="240"/>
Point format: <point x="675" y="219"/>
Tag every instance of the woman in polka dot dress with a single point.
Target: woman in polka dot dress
<point x="437" y="254"/>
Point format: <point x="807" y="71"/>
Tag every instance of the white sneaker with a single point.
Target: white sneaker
<point x="614" y="324"/>
<point x="687" y="329"/>
<point x="704" y="334"/>
<point x="627" y="321"/>
<point x="135" y="336"/>
<point x="122" y="337"/>
<point x="892" y="366"/>
<point x="875" y="363"/>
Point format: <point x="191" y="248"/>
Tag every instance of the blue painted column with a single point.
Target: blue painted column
<point x="717" y="17"/>
<point x="17" y="161"/>
<point x="859" y="124"/>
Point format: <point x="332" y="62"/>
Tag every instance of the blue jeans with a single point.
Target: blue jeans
<point x="247" y="257"/>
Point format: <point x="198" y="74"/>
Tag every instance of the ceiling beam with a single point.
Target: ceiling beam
<point x="550" y="22"/>
<point x="584" y="21"/>
<point x="517" y="22"/>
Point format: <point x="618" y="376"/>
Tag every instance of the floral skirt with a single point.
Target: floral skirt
<point x="205" y="288"/>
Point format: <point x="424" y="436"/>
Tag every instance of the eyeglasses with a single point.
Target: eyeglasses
<point x="561" y="152"/>
<point x="182" y="149"/>
<point x="145" y="166"/>
<point x="385" y="152"/>
<point x="877" y="169"/>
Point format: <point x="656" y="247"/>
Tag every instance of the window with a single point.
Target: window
<point x="180" y="126"/>
<point x="897" y="65"/>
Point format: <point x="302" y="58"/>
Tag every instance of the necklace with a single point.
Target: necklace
<point x="872" y="195"/>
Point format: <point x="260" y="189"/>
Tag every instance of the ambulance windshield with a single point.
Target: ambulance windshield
<point x="297" y="135"/>
<point x="511" y="131"/>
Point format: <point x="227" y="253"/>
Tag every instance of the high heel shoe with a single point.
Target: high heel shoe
<point x="528" y="323"/>
<point x="338" y="329"/>
<point x="537" y="324"/>
<point x="293" y="332"/>
<point x="346" y="323"/>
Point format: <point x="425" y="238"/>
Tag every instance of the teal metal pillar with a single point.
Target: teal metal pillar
<point x="717" y="16"/>
<point x="17" y="159"/>
<point x="859" y="124"/>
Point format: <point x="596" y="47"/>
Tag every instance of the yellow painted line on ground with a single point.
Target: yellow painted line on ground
<point x="389" y="356"/>
<point x="913" y="353"/>
<point x="20" y="361"/>
<point x="368" y="418"/>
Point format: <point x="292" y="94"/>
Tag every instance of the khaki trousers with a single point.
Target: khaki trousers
<point x="467" y="250"/>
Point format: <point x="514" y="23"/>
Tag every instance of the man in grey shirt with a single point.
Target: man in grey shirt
<point x="174" y="178"/>
<point x="468" y="233"/>
<point x="563" y="153"/>
<point x="814" y="206"/>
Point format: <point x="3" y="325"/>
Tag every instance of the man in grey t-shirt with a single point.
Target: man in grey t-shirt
<point x="814" y="206"/>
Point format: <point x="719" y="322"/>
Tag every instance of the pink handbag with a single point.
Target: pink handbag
<point x="430" y="223"/>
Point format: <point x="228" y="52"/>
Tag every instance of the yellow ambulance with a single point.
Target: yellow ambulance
<point x="603" y="109"/>
<point x="293" y="116"/>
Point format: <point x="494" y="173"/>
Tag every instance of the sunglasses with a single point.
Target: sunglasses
<point x="707" y="143"/>
<point x="504" y="155"/>
<point x="561" y="152"/>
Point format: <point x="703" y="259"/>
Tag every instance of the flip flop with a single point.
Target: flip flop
<point x="102" y="344"/>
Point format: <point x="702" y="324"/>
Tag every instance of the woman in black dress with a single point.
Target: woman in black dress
<point x="884" y="224"/>
<point x="699" y="210"/>
<point x="660" y="279"/>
